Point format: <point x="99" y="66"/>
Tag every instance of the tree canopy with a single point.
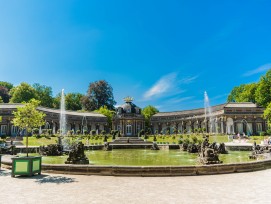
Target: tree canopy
<point x="259" y="92"/>
<point x="263" y="91"/>
<point x="108" y="113"/>
<point x="148" y="112"/>
<point x="44" y="95"/>
<point x="22" y="93"/>
<point x="243" y="93"/>
<point x="8" y="85"/>
<point x="100" y="93"/>
<point x="267" y="113"/>
<point x="28" y="117"/>
<point x="4" y="94"/>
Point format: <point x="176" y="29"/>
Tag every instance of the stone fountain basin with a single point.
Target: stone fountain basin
<point x="150" y="171"/>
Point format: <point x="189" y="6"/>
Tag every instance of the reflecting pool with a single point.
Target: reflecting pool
<point x="139" y="157"/>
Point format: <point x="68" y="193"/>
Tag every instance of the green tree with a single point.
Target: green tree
<point x="267" y="113"/>
<point x="148" y="112"/>
<point x="248" y="93"/>
<point x="263" y="91"/>
<point x="4" y="94"/>
<point x="22" y="93"/>
<point x="100" y="93"/>
<point x="8" y="85"/>
<point x="1" y="100"/>
<point x="28" y="117"/>
<point x="73" y="101"/>
<point x="57" y="101"/>
<point x="44" y="94"/>
<point x="108" y="113"/>
<point x="235" y="93"/>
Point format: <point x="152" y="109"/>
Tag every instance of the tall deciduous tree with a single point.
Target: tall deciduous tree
<point x="4" y="94"/>
<point x="44" y="94"/>
<point x="6" y="84"/>
<point x="108" y="113"/>
<point x="22" y="93"/>
<point x="28" y="117"/>
<point x="148" y="112"/>
<point x="248" y="94"/>
<point x="236" y="91"/>
<point x="263" y="92"/>
<point x="267" y="113"/>
<point x="99" y="94"/>
<point x="73" y="101"/>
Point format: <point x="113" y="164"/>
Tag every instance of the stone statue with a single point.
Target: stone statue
<point x="222" y="149"/>
<point x="209" y="153"/>
<point x="51" y="150"/>
<point x="193" y="148"/>
<point x="107" y="146"/>
<point x="77" y="155"/>
<point x="258" y="151"/>
<point x="155" y="146"/>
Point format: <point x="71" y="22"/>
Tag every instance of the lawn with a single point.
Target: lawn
<point x="166" y="139"/>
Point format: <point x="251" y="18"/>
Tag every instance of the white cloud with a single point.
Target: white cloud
<point x="258" y="70"/>
<point x="163" y="85"/>
<point x="188" y="80"/>
<point x="178" y="100"/>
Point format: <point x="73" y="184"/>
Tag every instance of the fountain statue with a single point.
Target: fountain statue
<point x="51" y="150"/>
<point x="209" y="153"/>
<point x="258" y="151"/>
<point x="77" y="155"/>
<point x="154" y="146"/>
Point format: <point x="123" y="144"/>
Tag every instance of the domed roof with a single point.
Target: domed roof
<point x="128" y="107"/>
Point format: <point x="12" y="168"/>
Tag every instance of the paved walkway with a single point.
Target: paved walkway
<point x="251" y="187"/>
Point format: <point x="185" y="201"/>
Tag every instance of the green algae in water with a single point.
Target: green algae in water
<point x="139" y="157"/>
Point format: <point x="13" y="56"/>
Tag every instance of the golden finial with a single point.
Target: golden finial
<point x="128" y="99"/>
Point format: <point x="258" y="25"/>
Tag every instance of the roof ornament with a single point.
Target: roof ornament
<point x="128" y="99"/>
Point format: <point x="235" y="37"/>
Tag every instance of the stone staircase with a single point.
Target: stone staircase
<point x="130" y="143"/>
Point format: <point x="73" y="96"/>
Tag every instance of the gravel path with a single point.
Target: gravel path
<point x="55" y="188"/>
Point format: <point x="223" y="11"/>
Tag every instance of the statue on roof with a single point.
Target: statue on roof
<point x="128" y="99"/>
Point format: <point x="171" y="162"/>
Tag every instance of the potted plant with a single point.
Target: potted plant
<point x="27" y="117"/>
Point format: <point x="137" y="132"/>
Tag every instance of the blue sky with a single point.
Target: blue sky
<point x="163" y="53"/>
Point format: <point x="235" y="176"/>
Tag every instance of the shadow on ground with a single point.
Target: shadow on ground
<point x="5" y="173"/>
<point x="42" y="179"/>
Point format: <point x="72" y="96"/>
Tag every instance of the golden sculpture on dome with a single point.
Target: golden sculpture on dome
<point x="128" y="99"/>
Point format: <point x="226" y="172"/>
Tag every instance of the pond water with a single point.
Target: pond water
<point x="139" y="157"/>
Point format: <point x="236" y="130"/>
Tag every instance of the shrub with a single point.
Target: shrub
<point x="262" y="133"/>
<point x="194" y="139"/>
<point x="187" y="141"/>
<point x="93" y="132"/>
<point x="44" y="131"/>
<point x="268" y="131"/>
<point x="36" y="131"/>
<point x="49" y="131"/>
<point x="154" y="138"/>
<point x="180" y="141"/>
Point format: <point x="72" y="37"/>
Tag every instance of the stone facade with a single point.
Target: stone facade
<point x="229" y="118"/>
<point x="128" y="119"/>
<point x="75" y="120"/>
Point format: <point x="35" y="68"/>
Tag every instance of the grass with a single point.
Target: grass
<point x="166" y="139"/>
